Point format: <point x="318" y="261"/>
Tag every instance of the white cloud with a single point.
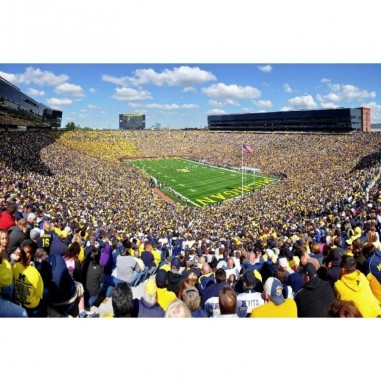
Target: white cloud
<point x="36" y="77"/>
<point x="285" y="109"/>
<point x="265" y="68"/>
<point x="189" y="89"/>
<point x="231" y="102"/>
<point x="375" y="111"/>
<point x="303" y="102"/>
<point x="69" y="89"/>
<point x="172" y="106"/>
<point x="58" y="103"/>
<point x="94" y="107"/>
<point x="216" y="111"/>
<point x="134" y="105"/>
<point x="332" y="97"/>
<point x="328" y="105"/>
<point x="351" y="92"/>
<point x="220" y="90"/>
<point x="263" y="103"/>
<point x="228" y="102"/>
<point x="35" y="93"/>
<point x="128" y="94"/>
<point x="340" y="94"/>
<point x="325" y="80"/>
<point x="183" y="76"/>
<point x="92" y="90"/>
<point x="287" y="88"/>
<point x="215" y="103"/>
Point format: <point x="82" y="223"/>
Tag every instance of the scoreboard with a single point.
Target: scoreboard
<point x="132" y="121"/>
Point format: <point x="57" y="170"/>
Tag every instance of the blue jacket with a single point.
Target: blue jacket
<point x="143" y="310"/>
<point x="375" y="265"/>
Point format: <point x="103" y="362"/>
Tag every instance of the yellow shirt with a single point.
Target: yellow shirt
<point x="287" y="309"/>
<point x="29" y="286"/>
<point x="157" y="256"/>
<point x="164" y="297"/>
<point x="5" y="273"/>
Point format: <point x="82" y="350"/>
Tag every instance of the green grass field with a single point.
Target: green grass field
<point x="201" y="184"/>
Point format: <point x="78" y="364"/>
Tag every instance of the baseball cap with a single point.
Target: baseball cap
<point x="150" y="287"/>
<point x="161" y="278"/>
<point x="274" y="288"/>
<point x="310" y="270"/>
<point x="175" y="263"/>
<point x="249" y="278"/>
<point x="337" y="254"/>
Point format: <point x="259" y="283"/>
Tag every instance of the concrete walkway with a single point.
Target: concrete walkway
<point x="105" y="308"/>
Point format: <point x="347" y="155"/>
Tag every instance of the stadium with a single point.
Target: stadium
<point x="327" y="120"/>
<point x="19" y="110"/>
<point x="280" y="199"/>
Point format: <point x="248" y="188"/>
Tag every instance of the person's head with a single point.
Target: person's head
<point x="21" y="223"/>
<point x="4" y="239"/>
<point x="11" y="209"/>
<point x="338" y="241"/>
<point x="309" y="272"/>
<point x="348" y="264"/>
<point x="175" y="264"/>
<point x="315" y="248"/>
<point x="186" y="283"/>
<point x="161" y="278"/>
<point x="40" y="255"/>
<point x="202" y="260"/>
<point x="26" y="254"/>
<point x="357" y="247"/>
<point x="31" y="218"/>
<point x="273" y="291"/>
<point x="47" y="227"/>
<point x="94" y="255"/>
<point x="368" y="249"/>
<point x="177" y="309"/>
<point x="35" y="234"/>
<point x="250" y="282"/>
<point x="227" y="300"/>
<point x="344" y="309"/>
<point x="230" y="263"/>
<point x="206" y="269"/>
<point x="122" y="300"/>
<point x="232" y="279"/>
<point x="150" y="292"/>
<point x="73" y="250"/>
<point x="220" y="275"/>
<point x="252" y="258"/>
<point x="148" y="246"/>
<point x="191" y="298"/>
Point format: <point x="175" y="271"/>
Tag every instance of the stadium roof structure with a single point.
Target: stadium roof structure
<point x="323" y="120"/>
<point x="18" y="109"/>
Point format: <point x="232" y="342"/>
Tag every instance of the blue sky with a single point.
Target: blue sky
<point x="182" y="95"/>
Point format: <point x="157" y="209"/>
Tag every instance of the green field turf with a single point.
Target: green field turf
<point x="201" y="184"/>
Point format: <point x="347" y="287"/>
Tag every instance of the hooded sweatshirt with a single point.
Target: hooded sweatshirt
<point x="355" y="286"/>
<point x="314" y="299"/>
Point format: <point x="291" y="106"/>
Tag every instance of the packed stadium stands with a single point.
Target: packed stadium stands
<point x="77" y="180"/>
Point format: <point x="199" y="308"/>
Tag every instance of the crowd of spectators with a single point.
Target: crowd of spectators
<point x="71" y="208"/>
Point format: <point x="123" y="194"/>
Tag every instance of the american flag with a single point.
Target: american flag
<point x="246" y="148"/>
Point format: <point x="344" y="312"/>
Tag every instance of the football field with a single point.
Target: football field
<point x="199" y="183"/>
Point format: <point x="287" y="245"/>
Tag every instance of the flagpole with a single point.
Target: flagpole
<point x="242" y="172"/>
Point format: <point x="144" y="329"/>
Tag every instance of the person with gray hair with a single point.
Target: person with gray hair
<point x="148" y="306"/>
<point x="191" y="298"/>
<point x="177" y="309"/>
